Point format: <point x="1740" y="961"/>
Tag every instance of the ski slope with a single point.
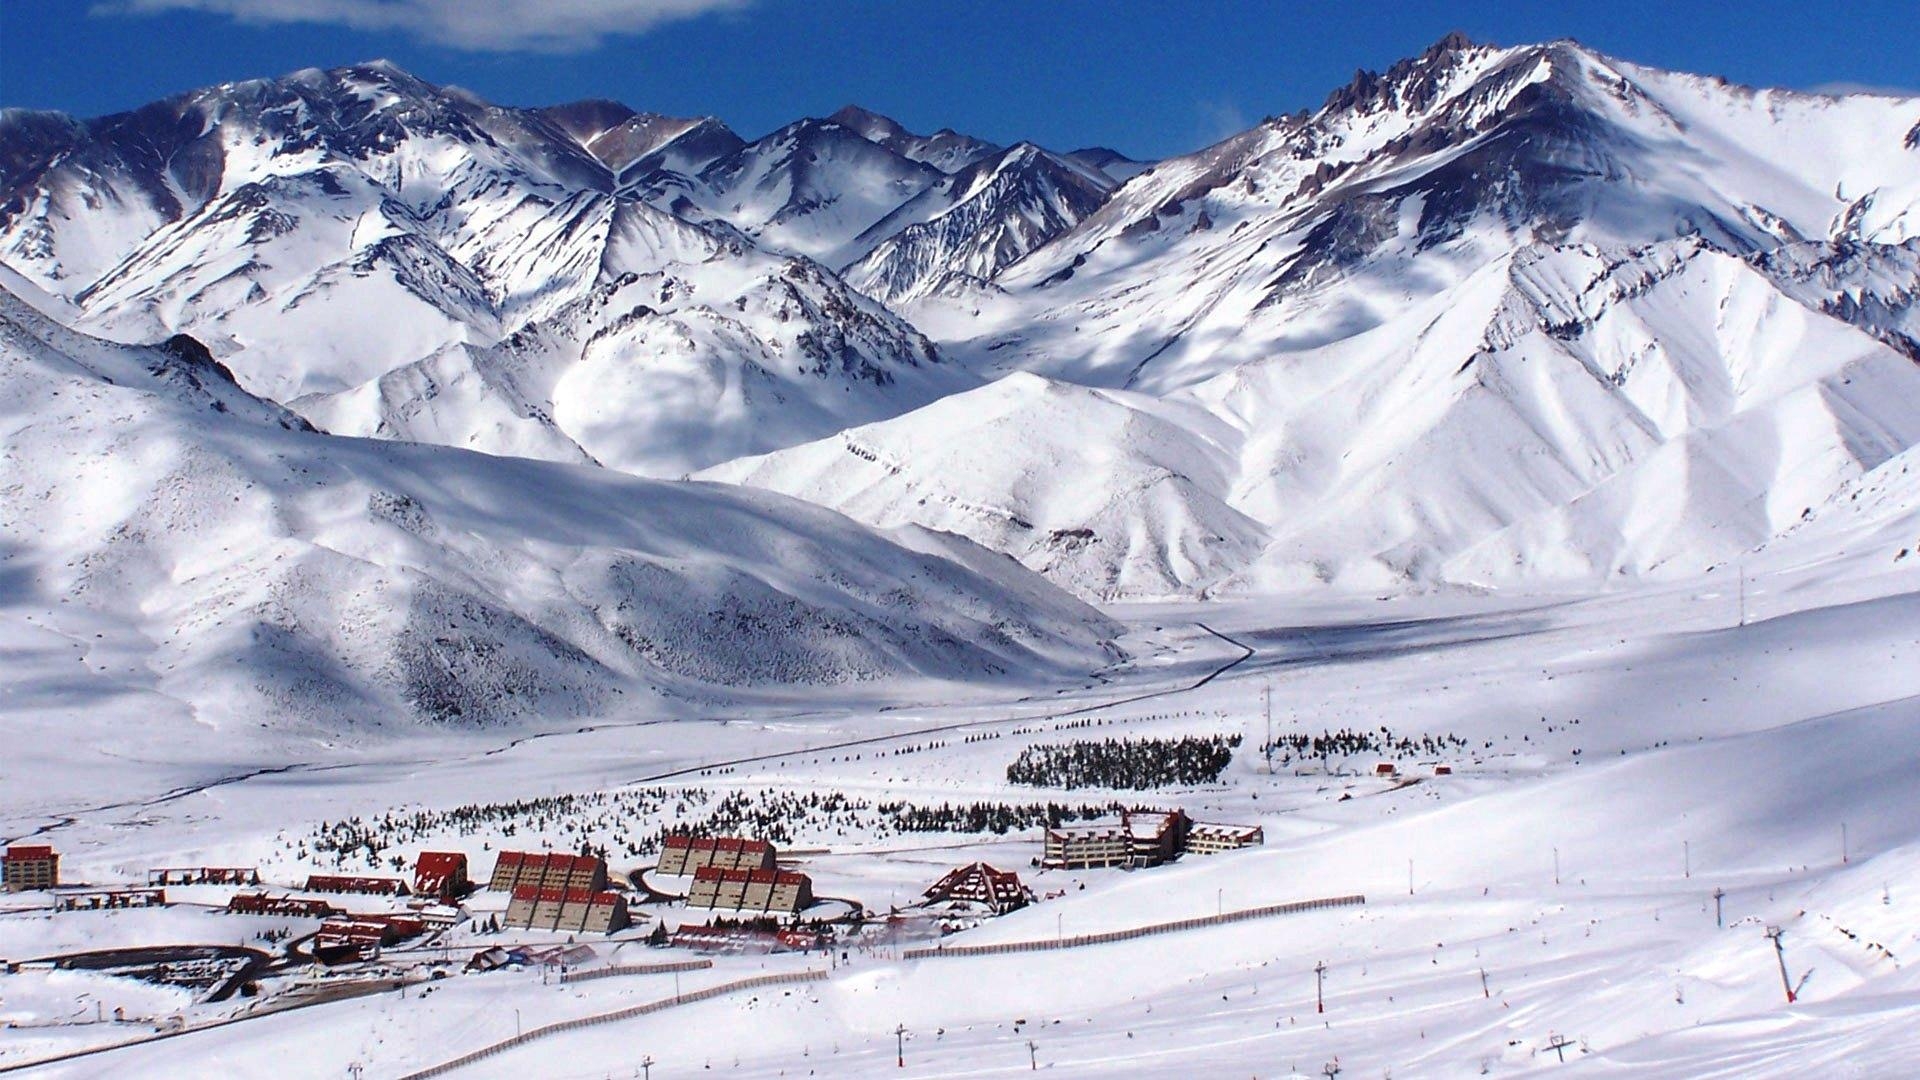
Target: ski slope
<point x="1613" y="780"/>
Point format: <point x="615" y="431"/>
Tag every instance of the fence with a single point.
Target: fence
<point x="633" y="969"/>
<point x="563" y="1026"/>
<point x="1294" y="908"/>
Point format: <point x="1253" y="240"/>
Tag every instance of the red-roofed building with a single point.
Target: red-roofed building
<point x="597" y="911"/>
<point x="203" y="875"/>
<point x="685" y="855"/>
<point x="751" y="890"/>
<point x="998" y="891"/>
<point x="29" y="866"/>
<point x="548" y="870"/>
<point x="348" y="936"/>
<point x="442" y="875"/>
<point x="294" y="907"/>
<point x="108" y="899"/>
<point x="732" y="940"/>
<point x="363" y="886"/>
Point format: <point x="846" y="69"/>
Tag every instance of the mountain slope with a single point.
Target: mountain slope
<point x="1490" y="316"/>
<point x="627" y="142"/>
<point x="808" y="189"/>
<point x="1567" y="413"/>
<point x="946" y="149"/>
<point x="972" y="228"/>
<point x="1314" y="227"/>
<point x="395" y="259"/>
<point x="1108" y="494"/>
<point x="274" y="572"/>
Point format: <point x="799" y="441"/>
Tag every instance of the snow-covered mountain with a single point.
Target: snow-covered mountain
<point x="1105" y="492"/>
<point x="946" y="149"/>
<point x="1312" y="228"/>
<point x="397" y="259"/>
<point x="970" y="228"/>
<point x="1564" y="412"/>
<point x="633" y="143"/>
<point x="274" y="571"/>
<point x="811" y="188"/>
<point x="1493" y="315"/>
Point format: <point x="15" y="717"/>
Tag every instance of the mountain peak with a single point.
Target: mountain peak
<point x="1454" y="41"/>
<point x="589" y="117"/>
<point x="381" y="67"/>
<point x="869" y="124"/>
<point x="1414" y="81"/>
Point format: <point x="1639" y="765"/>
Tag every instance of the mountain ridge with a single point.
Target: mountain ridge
<point x="594" y="284"/>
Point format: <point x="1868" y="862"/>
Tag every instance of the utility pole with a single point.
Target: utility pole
<point x="1774" y="935"/>
<point x="1686" y="856"/>
<point x="646" y="1067"/>
<point x="1409" y="877"/>
<point x="1033" y="1060"/>
<point x="1320" y="987"/>
<point x="1556" y="866"/>
<point x="1719" y="920"/>
<point x="900" y="1045"/>
<point x="1741" y="567"/>
<point x="1267" y="696"/>
<point x="1844" y="858"/>
<point x="1484" y="992"/>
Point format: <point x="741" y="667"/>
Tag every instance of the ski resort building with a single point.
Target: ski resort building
<point x="998" y="891"/>
<point x="1138" y="838"/>
<point x="728" y="940"/>
<point x="289" y="906"/>
<point x="361" y="886"/>
<point x="203" y="875"/>
<point x="353" y="934"/>
<point x="596" y="911"/>
<point x="687" y="855"/>
<point x="441" y="875"/>
<point x="751" y="890"/>
<point x="548" y="870"/>
<point x="1207" y="838"/>
<point x="108" y="899"/>
<point x="29" y="866"/>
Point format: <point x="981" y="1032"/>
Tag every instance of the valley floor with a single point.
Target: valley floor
<point x="1617" y="761"/>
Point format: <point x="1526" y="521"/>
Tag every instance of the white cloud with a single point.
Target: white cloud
<point x="549" y="26"/>
<point x="1220" y="119"/>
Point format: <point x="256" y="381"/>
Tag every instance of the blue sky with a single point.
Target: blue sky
<point x="1149" y="79"/>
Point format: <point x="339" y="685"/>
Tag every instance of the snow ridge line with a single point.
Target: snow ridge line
<point x="814" y="975"/>
<point x="633" y="969"/>
<point x="1294" y="908"/>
